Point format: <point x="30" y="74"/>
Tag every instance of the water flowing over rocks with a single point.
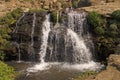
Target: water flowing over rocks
<point x="27" y="34"/>
<point x="68" y="42"/>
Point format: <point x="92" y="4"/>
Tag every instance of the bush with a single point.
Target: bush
<point x="6" y="23"/>
<point x="75" y="4"/>
<point x="2" y="55"/>
<point x="113" y="27"/>
<point x="94" y="19"/>
<point x="6" y="72"/>
<point x="99" y="30"/>
<point x="116" y="15"/>
<point x="64" y="5"/>
<point x="11" y="17"/>
<point x="113" y="30"/>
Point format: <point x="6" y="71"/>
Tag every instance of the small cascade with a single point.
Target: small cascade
<point x="76" y="22"/>
<point x="57" y="20"/>
<point x="57" y="16"/>
<point x="45" y="34"/>
<point x="81" y="52"/>
<point x="33" y="27"/>
<point x="45" y="30"/>
<point x="31" y="48"/>
<point x="16" y="42"/>
<point x="15" y="30"/>
<point x="19" y="54"/>
<point x="75" y="34"/>
<point x="69" y="46"/>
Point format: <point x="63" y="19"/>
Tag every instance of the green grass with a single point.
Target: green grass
<point x="6" y="72"/>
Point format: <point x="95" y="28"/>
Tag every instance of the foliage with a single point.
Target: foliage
<point x="6" y="28"/>
<point x="94" y="19"/>
<point x="75" y="4"/>
<point x="86" y="74"/>
<point x="37" y="10"/>
<point x="4" y="37"/>
<point x="11" y="17"/>
<point x="54" y="17"/>
<point x="116" y="15"/>
<point x="2" y="55"/>
<point x="64" y="5"/>
<point x="96" y="23"/>
<point x="106" y="33"/>
<point x="113" y="26"/>
<point x="6" y="72"/>
<point x="99" y="31"/>
<point x="113" y="30"/>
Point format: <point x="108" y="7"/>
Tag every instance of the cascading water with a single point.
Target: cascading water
<point x="45" y="30"/>
<point x="17" y="44"/>
<point x="15" y="30"/>
<point x="81" y="52"/>
<point x="19" y="54"/>
<point x="33" y="29"/>
<point x="66" y="45"/>
<point x="75" y="33"/>
<point x="31" y="47"/>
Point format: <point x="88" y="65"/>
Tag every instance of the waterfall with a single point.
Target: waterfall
<point x="69" y="46"/>
<point x="81" y="52"/>
<point x="57" y="16"/>
<point x="15" y="30"/>
<point x="33" y="27"/>
<point x="76" y="22"/>
<point x="31" y="50"/>
<point x="45" y="30"/>
<point x="75" y="33"/>
<point x="18" y="44"/>
<point x="19" y="54"/>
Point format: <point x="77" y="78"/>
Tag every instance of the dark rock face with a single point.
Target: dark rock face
<point x="56" y="45"/>
<point x="22" y="35"/>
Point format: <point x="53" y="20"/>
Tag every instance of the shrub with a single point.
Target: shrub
<point x="113" y="30"/>
<point x="116" y="15"/>
<point x="64" y="5"/>
<point x="11" y="17"/>
<point x="75" y="4"/>
<point x="113" y="27"/>
<point x="6" y="28"/>
<point x="94" y="19"/>
<point x="99" y="30"/>
<point x="6" y="72"/>
<point x="2" y="55"/>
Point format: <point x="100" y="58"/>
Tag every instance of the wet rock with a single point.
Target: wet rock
<point x="112" y="71"/>
<point x="22" y="35"/>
